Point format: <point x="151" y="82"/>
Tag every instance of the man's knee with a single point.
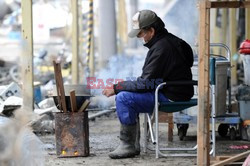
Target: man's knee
<point x="125" y="109"/>
<point x="123" y="97"/>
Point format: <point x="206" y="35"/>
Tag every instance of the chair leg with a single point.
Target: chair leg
<point x="156" y="133"/>
<point x="145" y="134"/>
<point x="213" y="119"/>
<point x="150" y="128"/>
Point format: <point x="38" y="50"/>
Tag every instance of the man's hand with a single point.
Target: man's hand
<point x="108" y="92"/>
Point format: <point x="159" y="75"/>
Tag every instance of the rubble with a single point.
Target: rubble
<point x="45" y="123"/>
<point x="18" y="144"/>
<point x="43" y="119"/>
<point x="10" y="105"/>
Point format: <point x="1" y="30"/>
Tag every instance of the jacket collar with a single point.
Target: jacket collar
<point x="158" y="36"/>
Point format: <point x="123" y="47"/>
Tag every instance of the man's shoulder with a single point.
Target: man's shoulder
<point x="162" y="44"/>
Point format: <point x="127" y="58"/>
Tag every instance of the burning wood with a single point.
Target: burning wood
<point x="71" y="125"/>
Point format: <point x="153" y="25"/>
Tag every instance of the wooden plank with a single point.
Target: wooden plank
<point x="27" y="56"/>
<point x="219" y="158"/>
<point x="228" y="4"/>
<point x="58" y="95"/>
<point x="232" y="159"/>
<point x="203" y="157"/>
<point x="60" y="87"/>
<point x="84" y="105"/>
<point x="216" y="159"/>
<point x="167" y="118"/>
<point x="247" y="14"/>
<point x="233" y="45"/>
<point x="163" y="117"/>
<point x="57" y="86"/>
<point x="73" y="101"/>
<point x="75" y="42"/>
<point x="170" y="127"/>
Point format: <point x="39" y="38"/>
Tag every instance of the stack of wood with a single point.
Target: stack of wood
<point x="61" y="93"/>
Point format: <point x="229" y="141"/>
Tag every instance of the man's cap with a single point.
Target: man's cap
<point x="141" y="20"/>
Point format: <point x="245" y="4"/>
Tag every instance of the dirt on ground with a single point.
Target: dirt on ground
<point x="103" y="138"/>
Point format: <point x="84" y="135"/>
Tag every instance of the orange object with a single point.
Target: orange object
<point x="63" y="152"/>
<point x="246" y="123"/>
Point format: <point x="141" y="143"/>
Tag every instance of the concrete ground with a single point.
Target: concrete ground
<point x="104" y="138"/>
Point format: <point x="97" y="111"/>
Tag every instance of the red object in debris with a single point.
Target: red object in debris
<point x="239" y="147"/>
<point x="245" y="47"/>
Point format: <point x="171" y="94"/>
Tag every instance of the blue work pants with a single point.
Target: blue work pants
<point x="130" y="104"/>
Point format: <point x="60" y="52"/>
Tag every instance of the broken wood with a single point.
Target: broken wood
<point x="59" y="87"/>
<point x="84" y="105"/>
<point x="73" y="101"/>
<point x="220" y="158"/>
<point x="216" y="159"/>
<point x="232" y="159"/>
<point x="170" y="127"/>
<point x="228" y="4"/>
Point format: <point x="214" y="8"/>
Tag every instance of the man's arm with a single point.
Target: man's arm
<point x="151" y="75"/>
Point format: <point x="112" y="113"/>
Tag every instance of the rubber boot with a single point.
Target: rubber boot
<point x="126" y="149"/>
<point x="137" y="138"/>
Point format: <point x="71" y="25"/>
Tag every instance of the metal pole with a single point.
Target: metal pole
<point x="216" y="25"/>
<point x="27" y="56"/>
<point x="90" y="37"/>
<point x="132" y="43"/>
<point x="75" y="42"/>
<point x="100" y="114"/>
<point x="233" y="45"/>
<point x="156" y="109"/>
<point x="224" y="28"/>
<point x="247" y="23"/>
<point x="145" y="133"/>
<point x="122" y="26"/>
<point x="80" y="39"/>
<point x="107" y="30"/>
<point x="213" y="120"/>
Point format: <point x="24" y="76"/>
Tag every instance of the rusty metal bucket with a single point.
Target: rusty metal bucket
<point x="72" y="134"/>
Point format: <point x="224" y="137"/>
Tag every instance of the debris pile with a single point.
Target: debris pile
<point x="18" y="144"/>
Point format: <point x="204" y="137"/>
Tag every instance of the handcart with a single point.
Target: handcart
<point x="221" y="109"/>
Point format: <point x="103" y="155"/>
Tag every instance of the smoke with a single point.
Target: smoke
<point x="18" y="144"/>
<point x="181" y="19"/>
<point x="119" y="67"/>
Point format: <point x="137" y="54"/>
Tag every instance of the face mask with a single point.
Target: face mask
<point x="142" y="39"/>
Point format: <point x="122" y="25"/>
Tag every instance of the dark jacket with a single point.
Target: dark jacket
<point x="169" y="59"/>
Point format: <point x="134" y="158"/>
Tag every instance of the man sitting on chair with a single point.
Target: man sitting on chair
<point x="169" y="59"/>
